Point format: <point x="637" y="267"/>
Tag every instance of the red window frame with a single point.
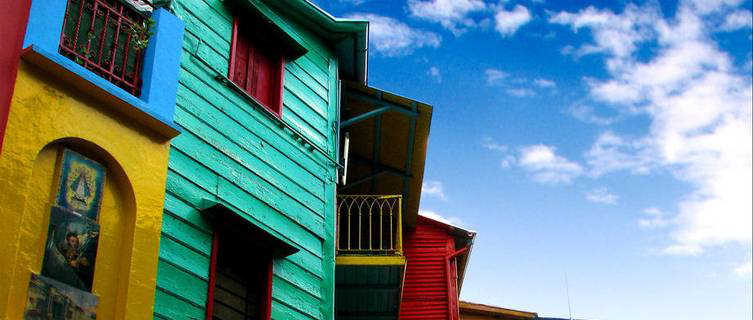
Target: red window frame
<point x="266" y="307"/>
<point x="258" y="51"/>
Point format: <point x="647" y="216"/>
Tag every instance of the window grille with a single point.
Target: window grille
<point x="107" y="37"/>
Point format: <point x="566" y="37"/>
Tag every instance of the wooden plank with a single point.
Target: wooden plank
<point x="178" y="254"/>
<point x="176" y="206"/>
<point x="298" y="277"/>
<point x="298" y="183"/>
<point x="317" y="70"/>
<point x="196" y="190"/>
<point x="216" y="36"/>
<point x="320" y="88"/>
<point x="297" y="206"/>
<point x="210" y="21"/>
<point x="201" y="81"/>
<point x="170" y="307"/>
<point x="318" y="136"/>
<point x="305" y="94"/>
<point x="282" y="311"/>
<point x="196" y="239"/>
<point x="247" y="132"/>
<point x="305" y="259"/>
<point x="296" y="299"/>
<point x="182" y="284"/>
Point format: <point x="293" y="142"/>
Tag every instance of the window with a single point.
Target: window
<point x="108" y="38"/>
<point x="257" y="63"/>
<point x="240" y="272"/>
<point x="241" y="283"/>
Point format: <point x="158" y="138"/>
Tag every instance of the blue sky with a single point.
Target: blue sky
<point x="609" y="142"/>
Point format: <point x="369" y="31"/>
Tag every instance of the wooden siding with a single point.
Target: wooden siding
<point x="426" y="290"/>
<point x="230" y="151"/>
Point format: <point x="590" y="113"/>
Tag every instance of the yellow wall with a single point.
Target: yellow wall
<point x="46" y="115"/>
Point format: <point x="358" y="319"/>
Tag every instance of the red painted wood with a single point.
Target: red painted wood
<point x="14" y="16"/>
<point x="256" y="67"/>
<point x="233" y="43"/>
<point x="212" y="276"/>
<point x="427" y="290"/>
<point x="267" y="313"/>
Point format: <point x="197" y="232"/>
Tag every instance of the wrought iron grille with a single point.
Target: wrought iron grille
<point x="369" y="224"/>
<point x="103" y="36"/>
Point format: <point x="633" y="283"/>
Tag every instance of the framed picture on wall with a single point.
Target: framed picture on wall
<point x="71" y="249"/>
<point x="81" y="183"/>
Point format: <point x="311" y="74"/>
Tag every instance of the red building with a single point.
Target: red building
<point x="437" y="254"/>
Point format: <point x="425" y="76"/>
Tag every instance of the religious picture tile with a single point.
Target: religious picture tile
<point x="81" y="183"/>
<point x="53" y="300"/>
<point x="71" y="249"/>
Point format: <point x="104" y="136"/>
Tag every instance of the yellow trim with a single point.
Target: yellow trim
<point x="370" y="260"/>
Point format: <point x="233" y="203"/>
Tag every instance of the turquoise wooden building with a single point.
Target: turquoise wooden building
<point x="249" y="220"/>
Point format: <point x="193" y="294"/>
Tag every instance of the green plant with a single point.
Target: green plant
<point x="141" y="32"/>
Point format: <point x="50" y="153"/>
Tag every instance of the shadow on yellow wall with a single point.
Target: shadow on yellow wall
<point x="45" y="117"/>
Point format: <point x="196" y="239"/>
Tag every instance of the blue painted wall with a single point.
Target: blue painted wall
<point x="161" y="58"/>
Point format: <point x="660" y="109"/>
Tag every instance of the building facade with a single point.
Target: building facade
<point x="86" y="124"/>
<point x="204" y="159"/>
<point x="248" y="228"/>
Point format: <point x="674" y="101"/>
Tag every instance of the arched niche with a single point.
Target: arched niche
<point x="116" y="219"/>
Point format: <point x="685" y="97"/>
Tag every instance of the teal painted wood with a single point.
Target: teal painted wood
<point x="231" y="152"/>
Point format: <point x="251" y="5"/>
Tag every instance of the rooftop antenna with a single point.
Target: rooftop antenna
<point x="567" y="290"/>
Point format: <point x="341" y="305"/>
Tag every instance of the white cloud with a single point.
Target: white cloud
<point x="699" y="107"/>
<point x="489" y="144"/>
<point x="451" y="14"/>
<point x="508" y="22"/>
<point x="433" y="189"/>
<point x="435" y="73"/>
<point x="745" y="269"/>
<point x="546" y="166"/>
<point x="588" y="115"/>
<point x="521" y="92"/>
<point x="494" y="76"/>
<point x="709" y="6"/>
<point x="391" y="37"/>
<point x="653" y="218"/>
<point x="613" y="33"/>
<point x="602" y="195"/>
<point x="612" y="153"/>
<point x="544" y="83"/>
<point x="737" y="20"/>
<point x="354" y="2"/>
<point x="507" y="159"/>
<point x="452" y="220"/>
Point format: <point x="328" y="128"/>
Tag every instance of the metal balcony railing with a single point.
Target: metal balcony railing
<point x="107" y="37"/>
<point x="369" y="224"/>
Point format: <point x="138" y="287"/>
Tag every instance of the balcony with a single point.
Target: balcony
<point x="99" y="49"/>
<point x="369" y="225"/>
<point x="379" y="198"/>
<point x="370" y="262"/>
